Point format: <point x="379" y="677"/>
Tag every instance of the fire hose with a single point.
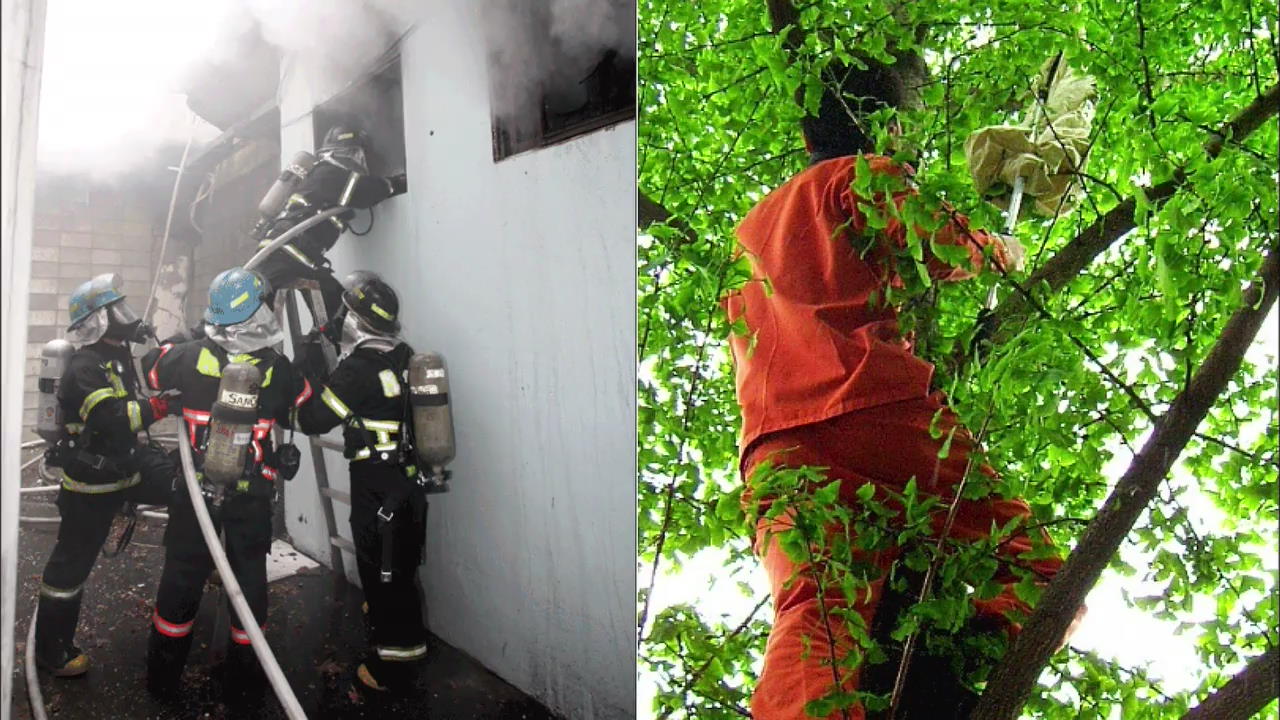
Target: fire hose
<point x="232" y="587"/>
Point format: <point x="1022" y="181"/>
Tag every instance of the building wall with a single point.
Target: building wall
<point x="521" y="273"/>
<point x="83" y="229"/>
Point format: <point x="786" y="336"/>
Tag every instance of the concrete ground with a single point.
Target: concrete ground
<point x="314" y="625"/>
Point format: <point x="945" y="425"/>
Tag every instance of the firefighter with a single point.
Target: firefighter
<point x="367" y="394"/>
<point x="103" y="464"/>
<point x="239" y="328"/>
<point x="825" y="379"/>
<point x="340" y="177"/>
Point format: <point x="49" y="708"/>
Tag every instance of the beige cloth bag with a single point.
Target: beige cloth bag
<point x="1045" y="151"/>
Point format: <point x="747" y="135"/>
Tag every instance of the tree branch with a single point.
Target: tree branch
<point x="1245" y="694"/>
<point x="1076" y="255"/>
<point x="1014" y="678"/>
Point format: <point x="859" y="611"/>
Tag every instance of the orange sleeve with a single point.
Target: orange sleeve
<point x="955" y="231"/>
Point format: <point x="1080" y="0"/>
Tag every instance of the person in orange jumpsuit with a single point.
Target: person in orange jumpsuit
<point x="826" y="380"/>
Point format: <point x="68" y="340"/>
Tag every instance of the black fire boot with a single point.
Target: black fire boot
<point x="55" y="630"/>
<point x="243" y="680"/>
<point x="166" y="657"/>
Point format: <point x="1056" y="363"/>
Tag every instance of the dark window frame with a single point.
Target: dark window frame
<point x="545" y="135"/>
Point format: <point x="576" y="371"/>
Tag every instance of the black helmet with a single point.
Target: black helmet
<point x="372" y="300"/>
<point x="345" y="146"/>
<point x="341" y="136"/>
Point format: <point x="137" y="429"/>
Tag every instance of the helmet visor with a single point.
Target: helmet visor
<point x="259" y="331"/>
<point x="122" y="314"/>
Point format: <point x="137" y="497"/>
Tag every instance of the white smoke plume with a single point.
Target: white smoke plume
<point x="114" y="71"/>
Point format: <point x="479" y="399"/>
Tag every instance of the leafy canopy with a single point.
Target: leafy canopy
<point x="719" y="129"/>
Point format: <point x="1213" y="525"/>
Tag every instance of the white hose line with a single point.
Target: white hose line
<point x="34" y="697"/>
<point x="290" y="234"/>
<point x="38" y="489"/>
<point x="39" y="520"/>
<point x="31" y="444"/>
<point x="173" y="201"/>
<point x="1015" y="206"/>
<point x="29" y="463"/>
<point x="232" y="587"/>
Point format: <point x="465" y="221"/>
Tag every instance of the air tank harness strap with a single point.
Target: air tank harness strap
<point x="408" y="491"/>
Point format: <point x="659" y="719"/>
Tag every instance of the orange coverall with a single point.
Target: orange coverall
<point x="824" y="378"/>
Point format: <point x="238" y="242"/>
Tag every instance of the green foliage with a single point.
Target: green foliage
<point x="720" y="100"/>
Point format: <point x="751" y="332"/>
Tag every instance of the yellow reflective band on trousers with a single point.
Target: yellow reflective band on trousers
<point x="266" y="379"/>
<point x="135" y="415"/>
<point x="402" y="654"/>
<point x="207" y="364"/>
<point x="390" y="384"/>
<point x="58" y="594"/>
<point x="338" y="407"/>
<point x="99" y="488"/>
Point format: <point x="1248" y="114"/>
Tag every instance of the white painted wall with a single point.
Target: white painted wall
<point x="522" y="273"/>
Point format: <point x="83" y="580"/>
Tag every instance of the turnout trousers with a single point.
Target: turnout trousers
<point x="87" y="511"/>
<point x="245" y="519"/>
<point x="886" y="446"/>
<point x="395" y="608"/>
<point x="281" y="269"/>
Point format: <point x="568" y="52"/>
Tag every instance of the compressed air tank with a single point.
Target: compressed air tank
<point x="432" y="417"/>
<point x="231" y="422"/>
<point x="53" y="363"/>
<point x="285" y="185"/>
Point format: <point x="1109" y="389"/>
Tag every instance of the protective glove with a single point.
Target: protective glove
<point x="310" y="360"/>
<point x="1013" y="253"/>
<point x="163" y="405"/>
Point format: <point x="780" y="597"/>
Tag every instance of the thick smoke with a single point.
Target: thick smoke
<point x="114" y="71"/>
<point x="545" y="50"/>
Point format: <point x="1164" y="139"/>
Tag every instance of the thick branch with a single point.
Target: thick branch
<point x="1093" y="240"/>
<point x="1245" y="694"/>
<point x="783" y="13"/>
<point x="1013" y="680"/>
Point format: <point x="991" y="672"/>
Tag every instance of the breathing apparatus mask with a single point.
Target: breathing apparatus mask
<point x="356" y="334"/>
<point x="116" y="321"/>
<point x="261" y="330"/>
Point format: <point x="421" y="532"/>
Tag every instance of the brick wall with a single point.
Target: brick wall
<point x="83" y="229"/>
<point x="228" y="216"/>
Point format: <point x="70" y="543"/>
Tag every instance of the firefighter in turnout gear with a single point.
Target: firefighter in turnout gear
<point x="339" y="177"/>
<point x="239" y="328"/>
<point x="103" y="464"/>
<point x="368" y="395"/>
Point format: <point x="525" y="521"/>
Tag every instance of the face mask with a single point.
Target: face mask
<point x="356" y="334"/>
<point x="261" y="330"/>
<point x="124" y="324"/>
<point x="348" y="158"/>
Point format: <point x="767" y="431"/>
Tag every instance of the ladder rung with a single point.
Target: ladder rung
<point x="328" y="444"/>
<point x="338" y="495"/>
<point x="342" y="543"/>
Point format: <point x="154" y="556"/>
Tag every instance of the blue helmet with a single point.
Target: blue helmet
<point x="99" y="292"/>
<point x="234" y="296"/>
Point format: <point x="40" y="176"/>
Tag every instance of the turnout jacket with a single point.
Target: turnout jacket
<point x="103" y="412"/>
<point x="367" y="394"/>
<point x="328" y="185"/>
<point x="195" y="369"/>
<point x="819" y="341"/>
